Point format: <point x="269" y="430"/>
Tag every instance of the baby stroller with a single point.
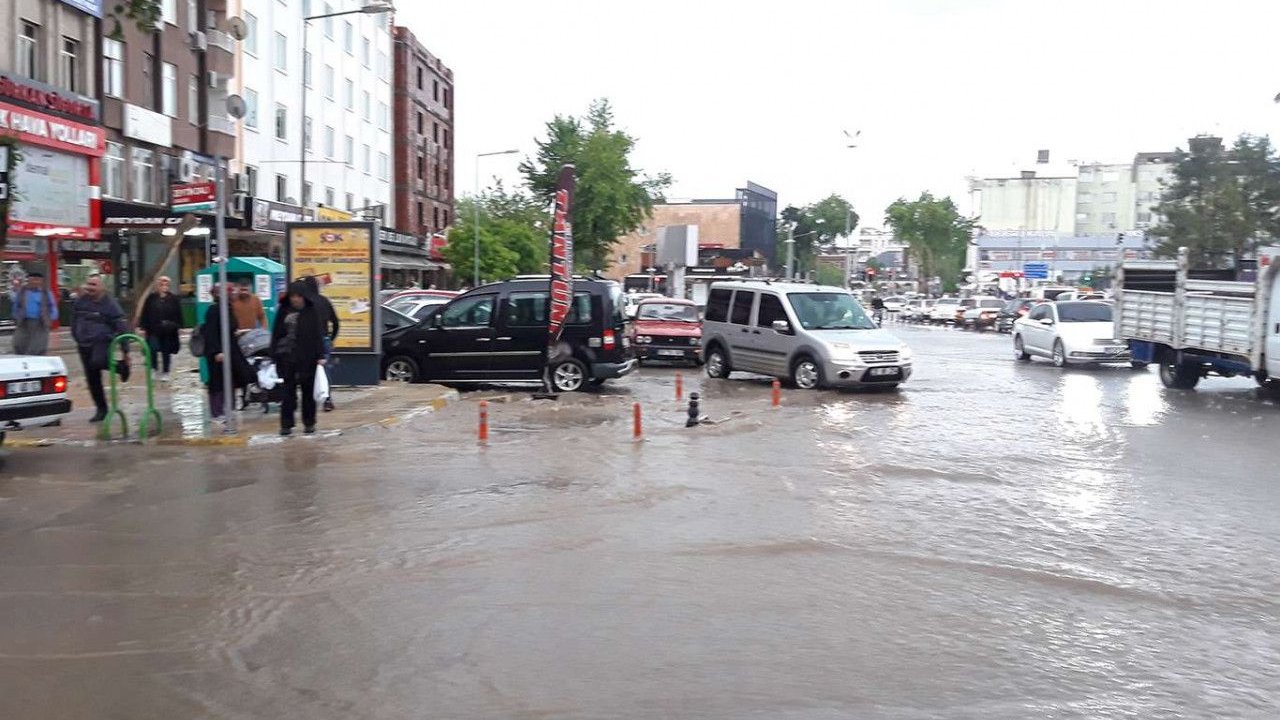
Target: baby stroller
<point x="266" y="387"/>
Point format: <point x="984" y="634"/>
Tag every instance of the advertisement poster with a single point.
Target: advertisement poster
<point x="341" y="258"/>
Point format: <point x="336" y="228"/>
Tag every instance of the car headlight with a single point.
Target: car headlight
<point x="843" y="351"/>
<point x="643" y="339"/>
<point x="694" y="340"/>
<point x="904" y="353"/>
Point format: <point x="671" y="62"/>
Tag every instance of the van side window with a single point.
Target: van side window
<point x="718" y="305"/>
<point x="770" y="310"/>
<point x="741" y="314"/>
<point x="474" y="311"/>
<point x="529" y="309"/>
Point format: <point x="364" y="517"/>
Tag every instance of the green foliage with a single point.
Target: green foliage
<point x="15" y="157"/>
<point x="830" y="275"/>
<point x="144" y="13"/>
<point x="612" y="198"/>
<point x="514" y="236"/>
<point x="1220" y="204"/>
<point x="935" y="233"/>
<point x="816" y="225"/>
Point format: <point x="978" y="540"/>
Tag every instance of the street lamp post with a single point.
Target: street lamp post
<point x="378" y="7"/>
<point x="475" y="202"/>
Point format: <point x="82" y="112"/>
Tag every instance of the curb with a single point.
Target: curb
<point x="433" y="406"/>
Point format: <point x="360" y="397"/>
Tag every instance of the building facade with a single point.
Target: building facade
<point x="1111" y="198"/>
<point x="424" y="129"/>
<point x="1028" y="201"/>
<point x="325" y="85"/>
<point x="1070" y="258"/>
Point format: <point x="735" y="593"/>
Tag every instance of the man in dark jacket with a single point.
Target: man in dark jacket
<point x="241" y="372"/>
<point x="97" y="320"/>
<point x="297" y="346"/>
<point x="329" y="319"/>
<point x="161" y="320"/>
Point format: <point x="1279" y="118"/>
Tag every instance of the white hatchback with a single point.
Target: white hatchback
<point x="1070" y="333"/>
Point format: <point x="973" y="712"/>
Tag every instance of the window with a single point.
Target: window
<point x="1144" y="217"/>
<point x="366" y="107"/>
<point x="328" y="141"/>
<point x="148" y="83"/>
<point x="1072" y="312"/>
<point x="422" y="167"/>
<point x="282" y="188"/>
<point x="1084" y="198"/>
<point x="435" y="90"/>
<point x="1109" y="197"/>
<point x="69" y="64"/>
<point x="351" y="201"/>
<point x="29" y="50"/>
<point x="143" y="163"/>
<point x="420" y="123"/>
<point x="282" y="122"/>
<point x="349" y="151"/>
<point x="112" y="68"/>
<point x="306" y="194"/>
<point x="169" y="11"/>
<point x="1040" y="312"/>
<point x="1108" y="219"/>
<point x="306" y="133"/>
<point x="421" y="78"/>
<point x="435" y="133"/>
<point x="193" y="16"/>
<point x="306" y="68"/>
<point x="770" y="310"/>
<point x="447" y="101"/>
<point x="741" y="311"/>
<point x="251" y="108"/>
<point x="348" y="38"/>
<point x="250" y="42"/>
<point x="436" y="169"/>
<point x="435" y="218"/>
<point x="328" y="22"/>
<point x="169" y="89"/>
<point x="718" y="305"/>
<point x="444" y="215"/>
<point x="349" y="94"/>
<point x="368" y="161"/>
<point x="420" y="213"/>
<point x="251" y="173"/>
<point x="193" y="99"/>
<point x="1109" y="176"/>
<point x="364" y="51"/>
<point x="382" y="66"/>
<point x="383" y="115"/>
<point x="446" y="137"/>
<point x="328" y="81"/>
<point x="474" y="311"/>
<point x="282" y="53"/>
<point x="1086" y="176"/>
<point x="384" y="167"/>
<point x="1082" y="218"/>
<point x="829" y="311"/>
<point x="328" y="197"/>
<point x="529" y="309"/>
<point x="113" y="171"/>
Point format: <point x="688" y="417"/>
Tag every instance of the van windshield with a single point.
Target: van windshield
<point x="829" y="311"/>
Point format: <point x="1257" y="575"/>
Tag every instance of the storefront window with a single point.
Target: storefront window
<point x="113" y="171"/>
<point x="143" y="175"/>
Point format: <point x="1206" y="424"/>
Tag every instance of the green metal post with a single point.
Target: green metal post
<point x="150" y="413"/>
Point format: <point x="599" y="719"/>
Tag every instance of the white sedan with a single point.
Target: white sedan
<point x="1070" y="333"/>
<point x="33" y="392"/>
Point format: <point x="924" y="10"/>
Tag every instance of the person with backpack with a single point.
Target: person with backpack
<point x="34" y="312"/>
<point x="160" y="322"/>
<point x="297" y="346"/>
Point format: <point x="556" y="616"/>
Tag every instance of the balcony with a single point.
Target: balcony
<point x="222" y="53"/>
<point x="222" y="124"/>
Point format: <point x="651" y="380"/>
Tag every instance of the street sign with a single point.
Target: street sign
<point x="194" y="197"/>
<point x="1035" y="271"/>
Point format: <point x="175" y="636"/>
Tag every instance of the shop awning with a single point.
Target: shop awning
<point x="408" y="263"/>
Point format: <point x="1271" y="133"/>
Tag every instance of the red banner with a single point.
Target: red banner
<point x="52" y="132"/>
<point x="561" y="258"/>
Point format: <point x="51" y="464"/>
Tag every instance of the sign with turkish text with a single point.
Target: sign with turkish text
<point x="47" y="98"/>
<point x="342" y="258"/>
<point x="561" y="257"/>
<point x="36" y="128"/>
<point x="329" y="214"/>
<point x="54" y="195"/>
<point x="193" y="197"/>
<point x="271" y="216"/>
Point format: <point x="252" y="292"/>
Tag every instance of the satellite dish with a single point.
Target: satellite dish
<point x="237" y="28"/>
<point x="235" y="106"/>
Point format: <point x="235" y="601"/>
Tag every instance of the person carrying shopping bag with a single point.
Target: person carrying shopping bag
<point x="161" y="321"/>
<point x="297" y="346"/>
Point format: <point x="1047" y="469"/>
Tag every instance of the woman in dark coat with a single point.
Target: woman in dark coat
<point x="161" y="320"/>
<point x="297" y="346"/>
<point x="241" y="371"/>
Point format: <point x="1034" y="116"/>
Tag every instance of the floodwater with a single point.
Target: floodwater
<point x="997" y="540"/>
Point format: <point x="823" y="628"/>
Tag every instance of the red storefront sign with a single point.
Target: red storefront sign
<point x="190" y="197"/>
<point x="47" y="98"/>
<point x="52" y="132"/>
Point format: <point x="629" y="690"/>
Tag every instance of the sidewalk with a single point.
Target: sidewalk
<point x="182" y="404"/>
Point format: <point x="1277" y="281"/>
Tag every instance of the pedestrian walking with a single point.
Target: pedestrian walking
<point x="329" y="325"/>
<point x="241" y="372"/>
<point x="248" y="309"/>
<point x="97" y="320"/>
<point x="34" y="311"/>
<point x="297" y="346"/>
<point x="161" y="320"/>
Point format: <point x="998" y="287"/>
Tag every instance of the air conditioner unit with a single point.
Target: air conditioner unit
<point x="242" y="182"/>
<point x="215" y="80"/>
<point x="199" y="41"/>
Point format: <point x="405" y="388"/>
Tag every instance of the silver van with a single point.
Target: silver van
<point x="813" y="335"/>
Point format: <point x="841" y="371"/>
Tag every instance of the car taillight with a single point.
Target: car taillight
<point x="57" y="384"/>
<point x="610" y="342"/>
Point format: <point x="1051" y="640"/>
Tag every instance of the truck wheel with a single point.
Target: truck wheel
<point x="1179" y="376"/>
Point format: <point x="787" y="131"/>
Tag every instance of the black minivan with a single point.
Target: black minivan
<point x="497" y="332"/>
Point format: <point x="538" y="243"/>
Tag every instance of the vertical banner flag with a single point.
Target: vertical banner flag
<point x="561" y="258"/>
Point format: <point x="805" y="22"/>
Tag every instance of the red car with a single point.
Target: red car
<point x="667" y="329"/>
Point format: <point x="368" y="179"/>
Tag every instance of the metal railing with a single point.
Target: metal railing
<point x="221" y="40"/>
<point x="222" y="125"/>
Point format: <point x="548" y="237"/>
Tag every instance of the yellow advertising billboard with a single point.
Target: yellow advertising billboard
<point x="328" y="214"/>
<point x="341" y="258"/>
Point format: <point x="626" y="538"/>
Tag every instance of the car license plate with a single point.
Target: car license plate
<point x="885" y="372"/>
<point x="24" y="388"/>
<point x="672" y="353"/>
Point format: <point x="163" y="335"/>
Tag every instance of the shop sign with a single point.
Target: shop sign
<point x="41" y="129"/>
<point x="85" y="248"/>
<point x="333" y="214"/>
<point x="48" y="98"/>
<point x="438" y="244"/>
<point x="143" y="124"/>
<point x="53" y="196"/>
<point x="393" y="237"/>
<point x="271" y="216"/>
<point x="193" y="197"/>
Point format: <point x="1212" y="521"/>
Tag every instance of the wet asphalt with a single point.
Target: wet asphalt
<point x="994" y="540"/>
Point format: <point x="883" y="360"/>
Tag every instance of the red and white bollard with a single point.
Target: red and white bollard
<point x="777" y="393"/>
<point x="482" y="432"/>
<point x="637" y="427"/>
<point x="679" y="386"/>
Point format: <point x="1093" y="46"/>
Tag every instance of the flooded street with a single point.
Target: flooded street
<point x="996" y="540"/>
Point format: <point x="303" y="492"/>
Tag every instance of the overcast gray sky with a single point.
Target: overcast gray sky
<point x="721" y="92"/>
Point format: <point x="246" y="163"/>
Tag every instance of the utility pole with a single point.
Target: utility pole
<point x="791" y="249"/>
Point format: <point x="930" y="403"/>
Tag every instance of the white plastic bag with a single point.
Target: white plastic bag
<point x="322" y="385"/>
<point x="267" y="376"/>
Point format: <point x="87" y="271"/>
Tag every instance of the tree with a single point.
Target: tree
<point x="828" y="274"/>
<point x="936" y="236"/>
<point x="144" y="13"/>
<point x="612" y="198"/>
<point x="14" y="152"/>
<point x="1220" y="204"/>
<point x="514" y="236"/>
<point x="816" y="225"/>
